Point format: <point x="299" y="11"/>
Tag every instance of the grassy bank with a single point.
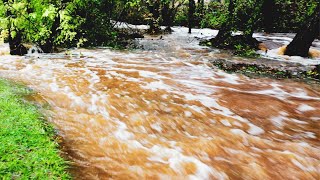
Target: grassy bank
<point x="28" y="149"/>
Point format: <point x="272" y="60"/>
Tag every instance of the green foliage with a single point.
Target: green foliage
<point x="133" y="12"/>
<point x="290" y="15"/>
<point x="60" y="22"/>
<point x="246" y="15"/>
<point x="245" y="51"/>
<point x="215" y="15"/>
<point x="3" y="36"/>
<point x="33" y="17"/>
<point x="181" y="18"/>
<point x="28" y="149"/>
<point x="90" y="23"/>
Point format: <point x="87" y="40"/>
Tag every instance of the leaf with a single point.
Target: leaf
<point x="13" y="34"/>
<point x="50" y="12"/>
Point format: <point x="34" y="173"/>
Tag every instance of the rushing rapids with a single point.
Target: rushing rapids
<point x="165" y="113"/>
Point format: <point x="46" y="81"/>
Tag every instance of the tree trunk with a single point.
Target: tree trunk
<point x="225" y="40"/>
<point x="172" y="14"/>
<point x="154" y="19"/>
<point x="225" y="30"/>
<point x="308" y="33"/>
<point x="268" y="7"/>
<point x="48" y="47"/>
<point x="165" y="13"/>
<point x="15" y="43"/>
<point x="192" y="6"/>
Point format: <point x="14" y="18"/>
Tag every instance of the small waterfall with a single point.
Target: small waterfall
<point x="34" y="51"/>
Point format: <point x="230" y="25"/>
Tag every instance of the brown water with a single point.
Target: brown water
<point x="166" y="114"/>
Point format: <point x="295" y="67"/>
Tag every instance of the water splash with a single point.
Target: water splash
<point x="34" y="51"/>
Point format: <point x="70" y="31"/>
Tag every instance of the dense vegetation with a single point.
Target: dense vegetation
<point x="49" y="24"/>
<point x="286" y="16"/>
<point x="28" y="149"/>
<point x="69" y="23"/>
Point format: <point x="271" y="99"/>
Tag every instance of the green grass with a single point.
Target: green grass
<point x="28" y="149"/>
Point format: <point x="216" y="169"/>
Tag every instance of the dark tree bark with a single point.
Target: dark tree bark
<point x="268" y="12"/>
<point x="15" y="43"/>
<point x="251" y="27"/>
<point x="226" y="40"/>
<point x="48" y="47"/>
<point x="308" y="33"/>
<point x="225" y="30"/>
<point x="200" y="6"/>
<point x="154" y="9"/>
<point x="168" y="12"/>
<point x="192" y="7"/>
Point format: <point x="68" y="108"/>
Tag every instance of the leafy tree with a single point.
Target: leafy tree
<point x="308" y="33"/>
<point x="169" y="10"/>
<point x="214" y="15"/>
<point x="154" y="16"/>
<point x="52" y="23"/>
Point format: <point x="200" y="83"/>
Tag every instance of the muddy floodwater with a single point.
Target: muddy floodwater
<point x="163" y="112"/>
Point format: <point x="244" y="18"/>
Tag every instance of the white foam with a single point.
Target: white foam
<point x="226" y="123"/>
<point x="311" y="135"/>
<point x="197" y="108"/>
<point x="274" y="55"/>
<point x="149" y="74"/>
<point x="278" y="121"/>
<point x="156" y="85"/>
<point x="304" y="144"/>
<point x="229" y="78"/>
<point x="302" y="167"/>
<point x="305" y="107"/>
<point x="278" y="132"/>
<point x="315" y="118"/>
<point x="157" y="127"/>
<point x="255" y="130"/>
<point x="298" y="121"/>
<point x="237" y="131"/>
<point x="175" y="159"/>
<point x="121" y="133"/>
<point x="236" y="123"/>
<point x="54" y="87"/>
<point x="187" y="113"/>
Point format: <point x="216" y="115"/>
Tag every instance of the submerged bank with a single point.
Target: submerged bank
<point x="270" y="62"/>
<point x="261" y="67"/>
<point x="28" y="148"/>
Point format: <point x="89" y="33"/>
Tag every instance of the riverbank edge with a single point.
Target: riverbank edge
<point x="261" y="67"/>
<point x="29" y="145"/>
